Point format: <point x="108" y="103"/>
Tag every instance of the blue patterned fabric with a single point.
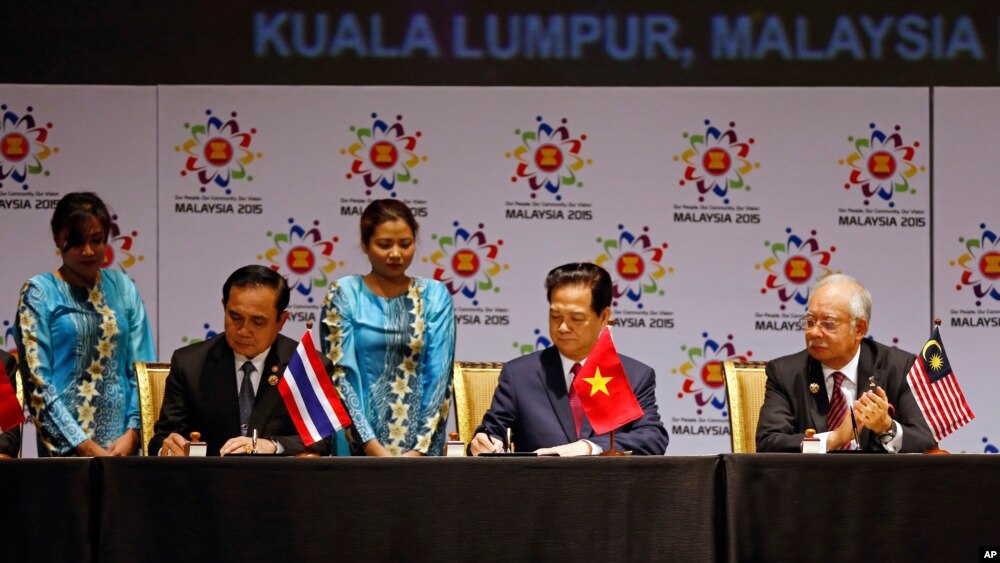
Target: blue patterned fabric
<point x="392" y="361"/>
<point x="77" y="347"/>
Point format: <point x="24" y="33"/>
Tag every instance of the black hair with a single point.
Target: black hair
<point x="381" y="211"/>
<point x="585" y="274"/>
<point x="256" y="275"/>
<point x="71" y="215"/>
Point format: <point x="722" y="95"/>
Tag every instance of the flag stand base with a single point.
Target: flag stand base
<point x="611" y="451"/>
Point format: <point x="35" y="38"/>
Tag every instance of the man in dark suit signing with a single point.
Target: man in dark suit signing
<point x="226" y="387"/>
<point x="819" y="387"/>
<point x="532" y="397"/>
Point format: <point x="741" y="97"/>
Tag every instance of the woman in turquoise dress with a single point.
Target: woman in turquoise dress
<point x="391" y="338"/>
<point x="79" y="331"/>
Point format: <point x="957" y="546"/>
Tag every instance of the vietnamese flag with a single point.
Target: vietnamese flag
<point x="604" y="389"/>
<point x="11" y="413"/>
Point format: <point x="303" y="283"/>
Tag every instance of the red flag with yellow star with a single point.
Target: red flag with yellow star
<point x="603" y="388"/>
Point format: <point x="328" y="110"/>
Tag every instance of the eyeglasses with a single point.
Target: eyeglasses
<point x="828" y="325"/>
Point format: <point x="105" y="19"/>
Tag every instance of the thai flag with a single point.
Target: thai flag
<point x="309" y="395"/>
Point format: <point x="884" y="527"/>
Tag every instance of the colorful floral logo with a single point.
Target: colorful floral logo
<point x="881" y="164"/>
<point x="980" y="264"/>
<point x="23" y="147"/>
<point x="539" y="342"/>
<point x="383" y="154"/>
<point x="793" y="266"/>
<point x="703" y="372"/>
<point x="218" y="151"/>
<point x="635" y="265"/>
<point x="119" y="252"/>
<point x="716" y="161"/>
<point x="209" y="333"/>
<point x="302" y="256"/>
<point x="466" y="262"/>
<point x="9" y="343"/>
<point x="548" y="157"/>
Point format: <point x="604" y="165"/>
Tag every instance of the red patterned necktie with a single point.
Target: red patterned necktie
<point x="838" y="406"/>
<point x="574" y="400"/>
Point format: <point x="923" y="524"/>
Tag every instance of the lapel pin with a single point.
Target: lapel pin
<point x="273" y="380"/>
<point x="813" y="388"/>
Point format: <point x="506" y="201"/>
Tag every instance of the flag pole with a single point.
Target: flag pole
<point x="611" y="451"/>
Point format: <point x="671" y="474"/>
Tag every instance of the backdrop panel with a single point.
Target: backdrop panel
<point x="715" y="209"/>
<point x="966" y="254"/>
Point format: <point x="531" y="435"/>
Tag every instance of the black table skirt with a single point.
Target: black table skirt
<point x="529" y="509"/>
<point x="763" y="507"/>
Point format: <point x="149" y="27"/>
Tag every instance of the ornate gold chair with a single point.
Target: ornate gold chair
<point x="745" y="384"/>
<point x="474" y="386"/>
<point x="151" y="379"/>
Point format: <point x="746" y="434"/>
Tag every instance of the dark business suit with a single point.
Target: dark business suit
<point x="532" y="400"/>
<point x="10" y="441"/>
<point x="202" y="395"/>
<point x="790" y="408"/>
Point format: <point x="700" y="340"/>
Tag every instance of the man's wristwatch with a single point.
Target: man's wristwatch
<point x="888" y="435"/>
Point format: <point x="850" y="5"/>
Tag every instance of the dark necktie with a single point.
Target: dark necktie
<point x="246" y="398"/>
<point x="838" y="406"/>
<point x="574" y="400"/>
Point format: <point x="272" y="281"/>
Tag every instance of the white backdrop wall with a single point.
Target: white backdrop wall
<point x="715" y="210"/>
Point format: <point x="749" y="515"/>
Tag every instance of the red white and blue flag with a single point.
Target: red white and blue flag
<point x="936" y="390"/>
<point x="309" y="395"/>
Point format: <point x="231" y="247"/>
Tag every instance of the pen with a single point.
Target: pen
<point x="510" y="446"/>
<point x="253" y="440"/>
<point x="854" y="425"/>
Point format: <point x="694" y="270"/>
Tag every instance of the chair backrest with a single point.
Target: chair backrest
<point x="475" y="383"/>
<point x="745" y="384"/>
<point x="151" y="379"/>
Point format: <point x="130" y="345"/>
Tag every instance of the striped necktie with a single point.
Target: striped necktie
<point x="838" y="407"/>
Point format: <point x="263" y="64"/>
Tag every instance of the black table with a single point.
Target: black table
<point x="764" y="507"/>
<point x="790" y="507"/>
<point x="472" y="509"/>
<point x="49" y="510"/>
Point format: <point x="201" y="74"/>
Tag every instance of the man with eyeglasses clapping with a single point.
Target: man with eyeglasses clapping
<point x="841" y="373"/>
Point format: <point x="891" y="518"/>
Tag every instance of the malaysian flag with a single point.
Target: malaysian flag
<point x="937" y="392"/>
<point x="309" y="395"/>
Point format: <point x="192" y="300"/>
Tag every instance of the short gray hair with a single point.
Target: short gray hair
<point x="860" y="302"/>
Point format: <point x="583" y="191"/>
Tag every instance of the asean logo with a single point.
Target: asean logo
<point x="548" y="157"/>
<point x="466" y="262"/>
<point x="218" y="151"/>
<point x="980" y="264"/>
<point x="119" y="252"/>
<point x="881" y="164"/>
<point x="209" y="333"/>
<point x="538" y="342"/>
<point x="703" y="372"/>
<point x="302" y="256"/>
<point x="23" y="147"/>
<point x="383" y="155"/>
<point x="716" y="161"/>
<point x="634" y="263"/>
<point x="793" y="265"/>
